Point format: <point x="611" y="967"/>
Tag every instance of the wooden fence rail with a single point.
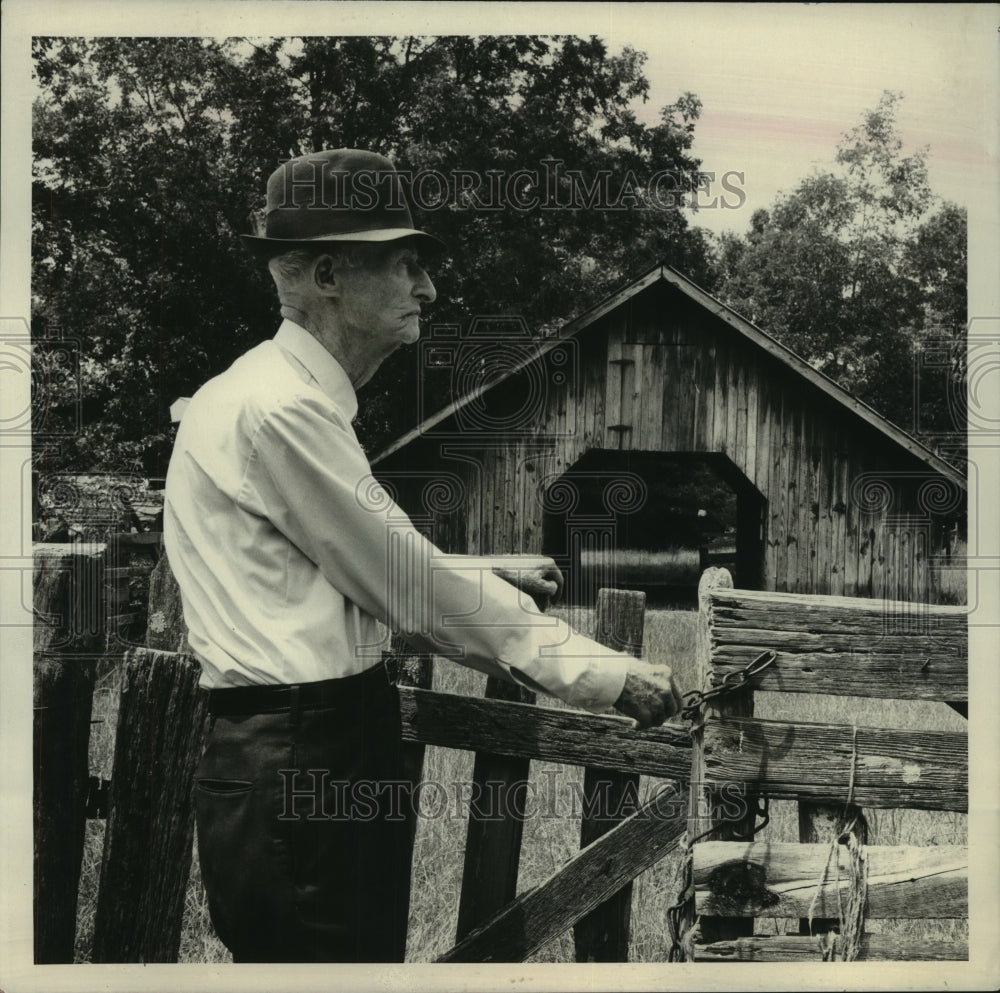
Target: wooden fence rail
<point x="793" y="948"/>
<point x="879" y="767"/>
<point x="790" y="880"/>
<point x="842" y="645"/>
<point x="516" y="729"/>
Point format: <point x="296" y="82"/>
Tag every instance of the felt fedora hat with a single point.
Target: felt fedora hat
<point x="343" y="194"/>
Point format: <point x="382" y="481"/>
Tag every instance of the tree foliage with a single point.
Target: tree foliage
<point x="861" y="272"/>
<point x="151" y="156"/>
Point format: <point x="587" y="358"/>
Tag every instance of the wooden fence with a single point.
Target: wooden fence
<point x="148" y="838"/>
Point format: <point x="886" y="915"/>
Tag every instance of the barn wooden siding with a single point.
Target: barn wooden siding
<point x="848" y="510"/>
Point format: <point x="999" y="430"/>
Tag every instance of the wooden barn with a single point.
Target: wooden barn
<point x="659" y="432"/>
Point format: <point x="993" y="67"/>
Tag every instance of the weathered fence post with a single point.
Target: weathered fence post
<point x="603" y="935"/>
<point x="407" y="668"/>
<point x="705" y="823"/>
<point x="148" y="838"/>
<point x="68" y="588"/>
<point x="493" y="837"/>
<point x="150" y="830"/>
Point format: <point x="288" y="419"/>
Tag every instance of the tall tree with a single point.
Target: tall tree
<point x="152" y="155"/>
<point x="936" y="259"/>
<point x="849" y="271"/>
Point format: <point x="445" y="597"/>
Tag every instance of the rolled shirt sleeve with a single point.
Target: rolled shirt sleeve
<point x="309" y="477"/>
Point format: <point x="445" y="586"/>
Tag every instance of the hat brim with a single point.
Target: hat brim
<point x="262" y="246"/>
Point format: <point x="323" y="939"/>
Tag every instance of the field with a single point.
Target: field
<point x="550" y="840"/>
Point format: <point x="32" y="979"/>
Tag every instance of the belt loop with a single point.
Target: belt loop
<point x="294" y="706"/>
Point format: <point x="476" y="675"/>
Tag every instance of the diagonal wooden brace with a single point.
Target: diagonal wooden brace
<point x="583" y="883"/>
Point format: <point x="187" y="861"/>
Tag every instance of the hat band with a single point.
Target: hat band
<point x="306" y="223"/>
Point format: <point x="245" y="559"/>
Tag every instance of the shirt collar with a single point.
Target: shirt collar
<point x="328" y="374"/>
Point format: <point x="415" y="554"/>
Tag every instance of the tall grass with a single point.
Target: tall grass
<point x="549" y="841"/>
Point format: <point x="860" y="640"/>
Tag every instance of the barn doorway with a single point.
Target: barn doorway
<point x="653" y="521"/>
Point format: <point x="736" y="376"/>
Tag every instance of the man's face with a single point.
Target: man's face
<point x="382" y="302"/>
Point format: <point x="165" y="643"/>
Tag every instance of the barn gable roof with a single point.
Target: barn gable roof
<point x="761" y="339"/>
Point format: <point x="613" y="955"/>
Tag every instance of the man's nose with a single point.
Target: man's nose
<point x="423" y="288"/>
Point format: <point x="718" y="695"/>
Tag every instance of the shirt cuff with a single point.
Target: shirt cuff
<point x="580" y="672"/>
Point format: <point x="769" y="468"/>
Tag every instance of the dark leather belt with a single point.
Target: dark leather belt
<point x="274" y="698"/>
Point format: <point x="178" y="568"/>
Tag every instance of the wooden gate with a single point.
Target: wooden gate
<point x="833" y="881"/>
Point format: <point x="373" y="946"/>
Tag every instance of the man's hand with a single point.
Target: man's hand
<point x="537" y="575"/>
<point x="649" y="694"/>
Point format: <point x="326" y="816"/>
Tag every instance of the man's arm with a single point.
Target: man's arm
<point x="649" y="695"/>
<point x="310" y="479"/>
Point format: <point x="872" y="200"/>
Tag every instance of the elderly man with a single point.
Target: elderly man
<point x="290" y="558"/>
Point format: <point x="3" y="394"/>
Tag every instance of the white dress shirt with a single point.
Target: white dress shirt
<point x="291" y="558"/>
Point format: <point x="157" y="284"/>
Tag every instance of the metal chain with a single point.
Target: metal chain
<point x="675" y="921"/>
<point x="693" y="702"/>
<point x="731" y="683"/>
<point x="764" y="812"/>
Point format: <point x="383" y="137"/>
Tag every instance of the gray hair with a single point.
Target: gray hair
<point x="289" y="267"/>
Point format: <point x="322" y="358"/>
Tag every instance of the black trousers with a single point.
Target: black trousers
<point x="302" y="816"/>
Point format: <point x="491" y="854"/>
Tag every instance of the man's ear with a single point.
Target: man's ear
<point x="325" y="276"/>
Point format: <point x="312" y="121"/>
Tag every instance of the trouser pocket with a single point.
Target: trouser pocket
<point x="244" y="866"/>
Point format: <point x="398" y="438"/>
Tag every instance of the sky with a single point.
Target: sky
<point x="780" y="84"/>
